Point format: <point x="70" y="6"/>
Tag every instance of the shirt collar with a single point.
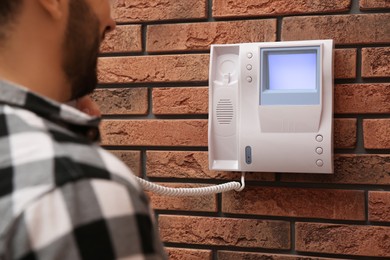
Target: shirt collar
<point x="62" y="114"/>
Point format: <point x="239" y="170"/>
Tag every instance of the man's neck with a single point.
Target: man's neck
<point x="33" y="70"/>
<point x="32" y="57"/>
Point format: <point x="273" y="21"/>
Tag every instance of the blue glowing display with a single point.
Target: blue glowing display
<point x="292" y="71"/>
<point x="290" y="75"/>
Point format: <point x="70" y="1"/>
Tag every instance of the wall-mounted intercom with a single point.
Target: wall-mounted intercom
<point x="271" y="107"/>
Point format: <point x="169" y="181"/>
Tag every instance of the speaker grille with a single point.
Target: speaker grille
<point x="225" y="112"/>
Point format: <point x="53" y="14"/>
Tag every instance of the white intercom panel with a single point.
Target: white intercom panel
<point x="271" y="107"/>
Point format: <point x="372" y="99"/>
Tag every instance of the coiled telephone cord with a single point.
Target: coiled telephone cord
<point x="177" y="192"/>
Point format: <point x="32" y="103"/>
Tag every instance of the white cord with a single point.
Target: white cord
<point x="177" y="192"/>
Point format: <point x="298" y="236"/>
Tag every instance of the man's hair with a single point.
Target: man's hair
<point x="8" y="12"/>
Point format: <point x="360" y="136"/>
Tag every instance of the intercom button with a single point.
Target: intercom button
<point x="249" y="55"/>
<point x="319" y="150"/>
<point x="249" y="79"/>
<point x="319" y="138"/>
<point x="248" y="155"/>
<point x="249" y="67"/>
<point x="320" y="163"/>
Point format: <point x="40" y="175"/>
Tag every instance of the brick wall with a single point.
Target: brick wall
<point x="153" y="93"/>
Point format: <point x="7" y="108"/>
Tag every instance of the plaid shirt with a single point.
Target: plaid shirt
<point x="61" y="195"/>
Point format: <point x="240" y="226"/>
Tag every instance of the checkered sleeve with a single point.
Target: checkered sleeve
<point x="87" y="219"/>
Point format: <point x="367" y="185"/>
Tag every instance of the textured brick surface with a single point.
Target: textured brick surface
<point x="154" y="132"/>
<point x="121" y="101"/>
<point x="176" y="101"/>
<point x="223" y="8"/>
<point x="291" y="202"/>
<point x="345" y="63"/>
<point x="225" y="232"/>
<point x="179" y="34"/>
<point x="191" y="165"/>
<point x="376" y="62"/>
<point x="125" y="38"/>
<point x="376" y="133"/>
<point x="341" y="28"/>
<point x="188" y="132"/>
<point x="362" y="98"/>
<point x="188" y="254"/>
<point x="230" y="255"/>
<point x="131" y="158"/>
<point x="374" y="4"/>
<point x="345" y="133"/>
<point x="188" y="203"/>
<point x="167" y="68"/>
<point x="379" y="205"/>
<point x="349" y="99"/>
<point x="351" y="169"/>
<point x="155" y="10"/>
<point x="199" y="36"/>
<point x="343" y="239"/>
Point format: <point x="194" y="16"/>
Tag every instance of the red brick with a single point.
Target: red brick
<point x="199" y="36"/>
<point x="131" y="158"/>
<point x="223" y="8"/>
<point x="230" y="255"/>
<point x="206" y="203"/>
<point x="122" y="101"/>
<point x="154" y="132"/>
<point x="146" y="69"/>
<point x="343" y="239"/>
<point x="191" y="165"/>
<point x="376" y="133"/>
<point x="345" y="133"/>
<point x="362" y="98"/>
<point x="125" y="38"/>
<point x="188" y="254"/>
<point x="176" y="101"/>
<point x="351" y="169"/>
<point x="158" y="10"/>
<point x="376" y="62"/>
<point x="162" y="68"/>
<point x="372" y="28"/>
<point x="192" y="133"/>
<point x="345" y="63"/>
<point x="379" y="205"/>
<point x="349" y="99"/>
<point x="374" y="4"/>
<point x="292" y="202"/>
<point x="225" y="232"/>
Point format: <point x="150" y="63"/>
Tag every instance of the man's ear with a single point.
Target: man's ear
<point x="55" y="8"/>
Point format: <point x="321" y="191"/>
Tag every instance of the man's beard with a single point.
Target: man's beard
<point x="81" y="49"/>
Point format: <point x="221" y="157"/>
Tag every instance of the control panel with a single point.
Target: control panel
<point x="271" y="107"/>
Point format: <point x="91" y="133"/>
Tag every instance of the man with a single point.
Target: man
<point x="61" y="196"/>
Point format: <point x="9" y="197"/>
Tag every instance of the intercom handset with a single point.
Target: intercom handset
<point x="271" y="107"/>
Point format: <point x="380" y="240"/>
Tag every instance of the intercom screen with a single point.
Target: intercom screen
<point x="292" y="71"/>
<point x="290" y="75"/>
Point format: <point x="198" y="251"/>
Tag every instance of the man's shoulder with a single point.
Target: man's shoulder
<point x="18" y="121"/>
<point x="37" y="155"/>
